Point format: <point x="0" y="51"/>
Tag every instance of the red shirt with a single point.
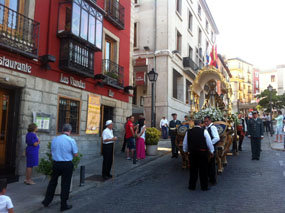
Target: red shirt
<point x="128" y="129"/>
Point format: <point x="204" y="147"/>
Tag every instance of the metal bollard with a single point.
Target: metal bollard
<point x="82" y="176"/>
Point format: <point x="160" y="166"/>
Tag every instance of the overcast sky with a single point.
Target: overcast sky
<point x="253" y="30"/>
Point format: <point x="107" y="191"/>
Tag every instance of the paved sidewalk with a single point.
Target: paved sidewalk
<point x="276" y="146"/>
<point x="27" y="198"/>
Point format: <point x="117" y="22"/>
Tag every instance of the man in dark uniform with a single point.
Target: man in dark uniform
<point x="256" y="134"/>
<point x="198" y="142"/>
<point x="173" y="133"/>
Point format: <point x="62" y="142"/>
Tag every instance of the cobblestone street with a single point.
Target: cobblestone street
<point x="161" y="186"/>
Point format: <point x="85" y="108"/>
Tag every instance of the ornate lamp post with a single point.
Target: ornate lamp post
<point x="270" y="88"/>
<point x="152" y="77"/>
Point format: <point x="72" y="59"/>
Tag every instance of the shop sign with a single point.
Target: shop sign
<point x="140" y="78"/>
<point x="15" y="65"/>
<point x="111" y="93"/>
<point x="141" y="62"/>
<point x="93" y="116"/>
<point x="72" y="81"/>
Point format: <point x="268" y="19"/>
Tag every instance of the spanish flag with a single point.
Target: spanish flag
<point x="214" y="57"/>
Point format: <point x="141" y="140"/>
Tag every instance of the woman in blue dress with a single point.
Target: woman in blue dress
<point x="32" y="152"/>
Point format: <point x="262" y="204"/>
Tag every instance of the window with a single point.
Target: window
<point x="199" y="37"/>
<point x="256" y="74"/>
<point x="207" y="26"/>
<point x="272" y="78"/>
<point x="178" y="88"/>
<point x="199" y="11"/>
<point x="135" y="35"/>
<point x="178" y="6"/>
<point x="178" y="41"/>
<point x="110" y="49"/>
<point x="82" y="20"/>
<point x="197" y="56"/>
<point x="137" y="2"/>
<point x="212" y="36"/>
<point x="190" y="52"/>
<point x="207" y="47"/>
<point x="256" y="85"/>
<point x="68" y="112"/>
<point x="190" y="21"/>
<point x="188" y="84"/>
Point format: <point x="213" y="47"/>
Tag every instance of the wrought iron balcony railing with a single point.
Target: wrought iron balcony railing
<point x="18" y="33"/>
<point x="115" y="13"/>
<point x="188" y="62"/>
<point x="114" y="74"/>
<point x="76" y="58"/>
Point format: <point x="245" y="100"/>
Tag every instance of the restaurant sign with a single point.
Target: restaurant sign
<point x="15" y="65"/>
<point x="72" y="81"/>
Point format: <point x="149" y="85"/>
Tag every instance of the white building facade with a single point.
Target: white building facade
<point x="173" y="37"/>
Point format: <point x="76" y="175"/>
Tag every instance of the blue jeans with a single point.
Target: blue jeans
<point x="164" y="132"/>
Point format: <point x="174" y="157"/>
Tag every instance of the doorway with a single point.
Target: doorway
<point x="107" y="113"/>
<point x="9" y="113"/>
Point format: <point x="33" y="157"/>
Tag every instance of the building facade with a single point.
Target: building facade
<point x="256" y="83"/>
<point x="173" y="37"/>
<point x="242" y="84"/>
<point x="62" y="62"/>
<point x="268" y="77"/>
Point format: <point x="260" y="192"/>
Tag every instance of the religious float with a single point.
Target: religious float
<point x="210" y="94"/>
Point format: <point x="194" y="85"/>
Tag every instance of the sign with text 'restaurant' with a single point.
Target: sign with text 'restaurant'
<point x="15" y="65"/>
<point x="140" y="78"/>
<point x="72" y="81"/>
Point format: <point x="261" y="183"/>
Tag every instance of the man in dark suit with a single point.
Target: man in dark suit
<point x="173" y="132"/>
<point x="256" y="134"/>
<point x="197" y="142"/>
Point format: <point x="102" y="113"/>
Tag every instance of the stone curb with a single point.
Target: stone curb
<point x="272" y="145"/>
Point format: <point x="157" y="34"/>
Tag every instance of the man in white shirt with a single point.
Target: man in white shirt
<point x="213" y="132"/>
<point x="164" y="127"/>
<point x="6" y="205"/>
<point x="108" y="146"/>
<point x="198" y="142"/>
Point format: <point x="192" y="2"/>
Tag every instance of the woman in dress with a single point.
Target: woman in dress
<point x="32" y="152"/>
<point x="140" y="132"/>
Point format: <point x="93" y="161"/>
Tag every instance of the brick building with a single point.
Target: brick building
<point x="61" y="62"/>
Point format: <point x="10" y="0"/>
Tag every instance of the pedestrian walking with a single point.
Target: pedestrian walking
<point x="32" y="152"/>
<point x="140" y="144"/>
<point x="6" y="205"/>
<point x="63" y="149"/>
<point x="130" y="137"/>
<point x="125" y="140"/>
<point x="241" y="130"/>
<point x="108" y="146"/>
<point x="255" y="133"/>
<point x="173" y="132"/>
<point x="279" y="127"/>
<point x="213" y="132"/>
<point x="164" y="127"/>
<point x="197" y="142"/>
<point x="267" y="123"/>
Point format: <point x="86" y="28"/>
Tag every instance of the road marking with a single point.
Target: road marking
<point x="281" y="163"/>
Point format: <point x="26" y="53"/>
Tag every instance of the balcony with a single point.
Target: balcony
<point x="114" y="74"/>
<point x="115" y="13"/>
<point x="19" y="34"/>
<point x="76" y="58"/>
<point x="81" y="20"/>
<point x="188" y="62"/>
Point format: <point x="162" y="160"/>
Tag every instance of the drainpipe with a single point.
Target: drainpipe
<point x="49" y="28"/>
<point x="155" y="36"/>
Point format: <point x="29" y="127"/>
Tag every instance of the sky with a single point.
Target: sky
<point x="253" y="30"/>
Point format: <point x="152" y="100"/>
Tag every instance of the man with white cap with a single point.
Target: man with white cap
<point x="108" y="146"/>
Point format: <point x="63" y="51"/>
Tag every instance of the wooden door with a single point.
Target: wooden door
<point x="4" y="108"/>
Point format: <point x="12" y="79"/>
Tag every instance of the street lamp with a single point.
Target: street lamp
<point x="152" y="77"/>
<point x="270" y="88"/>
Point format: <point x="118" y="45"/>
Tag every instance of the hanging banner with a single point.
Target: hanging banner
<point x="93" y="115"/>
<point x="140" y="78"/>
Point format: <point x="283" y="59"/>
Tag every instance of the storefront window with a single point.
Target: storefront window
<point x="68" y="112"/>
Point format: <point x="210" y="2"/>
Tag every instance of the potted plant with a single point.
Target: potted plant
<point x="152" y="138"/>
<point x="45" y="167"/>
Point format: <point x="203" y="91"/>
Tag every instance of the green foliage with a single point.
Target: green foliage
<point x="112" y="75"/>
<point x="45" y="165"/>
<point x="278" y="101"/>
<point x="152" y="136"/>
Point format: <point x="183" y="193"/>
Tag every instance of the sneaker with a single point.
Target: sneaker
<point x="128" y="158"/>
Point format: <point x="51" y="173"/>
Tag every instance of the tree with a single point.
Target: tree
<point x="278" y="101"/>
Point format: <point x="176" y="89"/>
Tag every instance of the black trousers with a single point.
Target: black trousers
<point x="124" y="144"/>
<point x="212" y="169"/>
<point x="255" y="147"/>
<point x="107" y="159"/>
<point x="198" y="165"/>
<point x="241" y="137"/>
<point x="65" y="170"/>
<point x="267" y="126"/>
<point x="173" y="145"/>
